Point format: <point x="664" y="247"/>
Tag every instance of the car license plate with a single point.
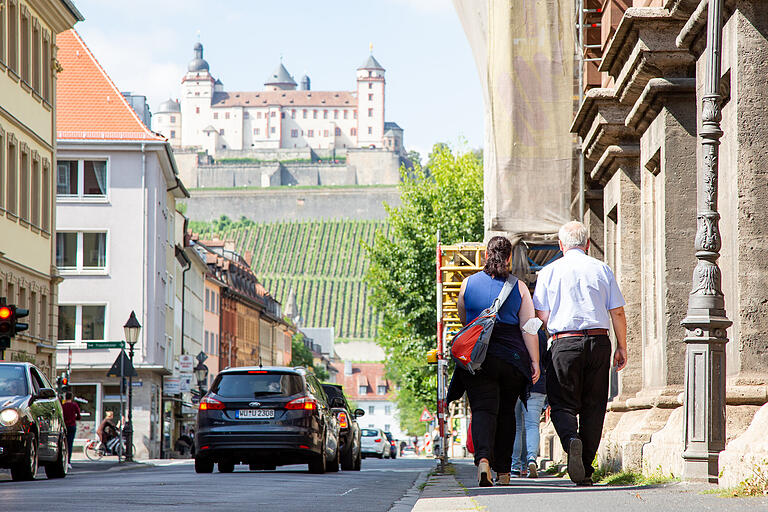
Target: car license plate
<point x="255" y="413"/>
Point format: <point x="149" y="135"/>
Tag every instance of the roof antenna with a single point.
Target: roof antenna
<point x="198" y="36"/>
<point x="370" y="48"/>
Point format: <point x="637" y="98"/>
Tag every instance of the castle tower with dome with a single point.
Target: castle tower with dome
<point x="283" y="115"/>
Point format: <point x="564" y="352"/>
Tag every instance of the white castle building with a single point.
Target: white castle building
<point x="280" y="116"/>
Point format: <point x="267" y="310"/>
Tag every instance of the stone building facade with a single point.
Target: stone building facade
<point x="638" y="123"/>
<point x="28" y="275"/>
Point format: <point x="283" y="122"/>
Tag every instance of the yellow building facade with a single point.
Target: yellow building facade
<point x="28" y="68"/>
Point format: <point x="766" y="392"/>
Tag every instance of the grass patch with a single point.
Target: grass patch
<point x="754" y="486"/>
<point x="605" y="476"/>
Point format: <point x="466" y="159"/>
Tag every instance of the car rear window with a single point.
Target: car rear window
<point x="13" y="380"/>
<point x="369" y="432"/>
<point x="249" y="385"/>
<point x="333" y="392"/>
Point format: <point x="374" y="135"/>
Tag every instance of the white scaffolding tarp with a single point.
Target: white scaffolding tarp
<point x="524" y="50"/>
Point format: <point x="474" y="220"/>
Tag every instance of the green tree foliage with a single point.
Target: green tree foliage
<point x="302" y="356"/>
<point x="402" y="270"/>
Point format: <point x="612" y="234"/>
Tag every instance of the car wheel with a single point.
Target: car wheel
<point x="58" y="468"/>
<point x="358" y="462"/>
<point x="317" y="464"/>
<point x="333" y="464"/>
<point x="348" y="459"/>
<point x="226" y="466"/>
<point x="27" y="468"/>
<point x="204" y="465"/>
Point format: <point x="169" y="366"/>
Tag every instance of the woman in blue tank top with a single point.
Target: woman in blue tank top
<point x="511" y="364"/>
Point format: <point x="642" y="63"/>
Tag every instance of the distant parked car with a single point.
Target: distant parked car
<point x="349" y="429"/>
<point x="392" y="445"/>
<point x="266" y="417"/>
<point x="375" y="443"/>
<point x="408" y="451"/>
<point x="32" y="427"/>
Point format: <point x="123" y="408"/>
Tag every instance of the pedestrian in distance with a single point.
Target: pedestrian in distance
<point x="527" y="418"/>
<point x="578" y="299"/>
<point x="107" y="429"/>
<point x="71" y="416"/>
<point x="511" y="363"/>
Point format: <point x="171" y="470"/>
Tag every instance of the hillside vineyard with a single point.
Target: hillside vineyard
<point x="324" y="262"/>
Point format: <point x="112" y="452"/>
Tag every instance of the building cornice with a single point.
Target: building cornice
<point x="650" y="102"/>
<point x="613" y="158"/>
<point x="601" y="122"/>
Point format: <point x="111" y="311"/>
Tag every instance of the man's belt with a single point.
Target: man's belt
<point x="586" y="332"/>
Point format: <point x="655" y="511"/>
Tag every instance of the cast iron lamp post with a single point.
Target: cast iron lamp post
<point x="131" y="328"/>
<point x="201" y="374"/>
<point x="706" y="322"/>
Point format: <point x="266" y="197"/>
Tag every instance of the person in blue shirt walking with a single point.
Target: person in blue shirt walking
<point x="527" y="418"/>
<point x="511" y="363"/>
<point x="578" y="300"/>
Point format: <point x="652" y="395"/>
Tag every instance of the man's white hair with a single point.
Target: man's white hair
<point x="573" y="234"/>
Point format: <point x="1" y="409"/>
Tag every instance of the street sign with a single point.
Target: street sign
<point x="201" y="356"/>
<point x="127" y="368"/>
<point x="171" y="385"/>
<point x="185" y="384"/>
<point x="186" y="363"/>
<point x="425" y="416"/>
<point x="104" y="344"/>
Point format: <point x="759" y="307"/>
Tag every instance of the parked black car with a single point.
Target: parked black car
<point x="392" y="445"/>
<point x="32" y="427"/>
<point x="349" y="429"/>
<point x="266" y="417"/>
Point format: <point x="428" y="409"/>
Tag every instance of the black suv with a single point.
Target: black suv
<point x="266" y="417"/>
<point x="31" y="423"/>
<point x="349" y="430"/>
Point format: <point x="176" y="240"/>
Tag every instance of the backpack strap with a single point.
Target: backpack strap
<point x="509" y="285"/>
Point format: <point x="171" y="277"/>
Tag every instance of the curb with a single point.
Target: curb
<point x="409" y="499"/>
<point x="443" y="492"/>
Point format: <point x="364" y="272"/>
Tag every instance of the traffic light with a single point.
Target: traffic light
<point x="20" y="313"/>
<point x="7" y="326"/>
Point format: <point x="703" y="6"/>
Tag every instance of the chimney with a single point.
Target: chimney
<point x="347" y="368"/>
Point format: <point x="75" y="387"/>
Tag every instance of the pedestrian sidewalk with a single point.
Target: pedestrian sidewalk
<point x="81" y="464"/>
<point x="457" y="490"/>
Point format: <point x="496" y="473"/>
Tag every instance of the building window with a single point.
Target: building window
<point x="226" y="115"/>
<point x="207" y="300"/>
<point x="370" y="130"/>
<point x="256" y="131"/>
<point x="205" y="346"/>
<point x="310" y="133"/>
<point x="24" y="34"/>
<point x="294" y="133"/>
<point x="215" y="115"/>
<point x="370" y="112"/>
<point x="363" y="390"/>
<point x="381" y="389"/>
<point x="353" y="131"/>
<point x="258" y="115"/>
<point x="46" y="196"/>
<point x="337" y="131"/>
<point x="197" y="110"/>
<point x="173" y="119"/>
<point x="370" y="74"/>
<point x="272" y="129"/>
<point x="370" y="85"/>
<point x="345" y="113"/>
<point x="387" y="427"/>
<point x="371" y="409"/>
<point x="314" y="114"/>
<point x="13" y="35"/>
<point x="304" y="113"/>
<point x="173" y="134"/>
<point x="79" y="250"/>
<point x="388" y="410"/>
<point x="354" y="114"/>
<point x="83" y="178"/>
<point x="272" y="114"/>
<point x="370" y="97"/>
<point x="24" y="184"/>
<point x="47" y="68"/>
<point x="36" y="55"/>
<point x="245" y="115"/>
<point x="335" y="114"/>
<point x="81" y="322"/>
<point x="293" y="114"/>
<point x="282" y="115"/>
<point x="221" y="131"/>
<point x="325" y="114"/>
<point x="35" y="191"/>
<point x="325" y="133"/>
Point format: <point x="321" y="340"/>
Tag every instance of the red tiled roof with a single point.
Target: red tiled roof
<point x="318" y="99"/>
<point x="372" y="374"/>
<point x="88" y="104"/>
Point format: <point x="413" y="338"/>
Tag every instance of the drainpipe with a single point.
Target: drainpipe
<point x="183" y="260"/>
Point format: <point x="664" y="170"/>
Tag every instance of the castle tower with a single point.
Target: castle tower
<point x="305" y="83"/>
<point x="370" y="103"/>
<point x="280" y="80"/>
<point x="167" y="121"/>
<point x="197" y="94"/>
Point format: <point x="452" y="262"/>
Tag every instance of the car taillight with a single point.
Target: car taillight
<point x="377" y="440"/>
<point x="343" y="421"/>
<point x="392" y="443"/>
<point x="304" y="403"/>
<point x="211" y="404"/>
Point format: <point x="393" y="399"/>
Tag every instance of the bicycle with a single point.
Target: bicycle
<point x="96" y="450"/>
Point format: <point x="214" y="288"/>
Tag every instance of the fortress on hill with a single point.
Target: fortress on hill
<point x="285" y="134"/>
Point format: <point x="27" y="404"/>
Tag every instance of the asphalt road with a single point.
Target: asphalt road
<point x="105" y="487"/>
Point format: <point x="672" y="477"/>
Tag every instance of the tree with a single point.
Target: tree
<point x="402" y="267"/>
<point x="302" y="356"/>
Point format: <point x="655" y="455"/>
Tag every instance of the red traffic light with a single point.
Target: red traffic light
<point x="5" y="312"/>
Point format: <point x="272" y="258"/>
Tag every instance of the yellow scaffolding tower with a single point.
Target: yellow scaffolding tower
<point x="457" y="262"/>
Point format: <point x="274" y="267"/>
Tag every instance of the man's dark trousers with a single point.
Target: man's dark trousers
<point x="577" y="383"/>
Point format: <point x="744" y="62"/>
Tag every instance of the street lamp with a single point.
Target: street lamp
<point x="201" y="374"/>
<point x="131" y="328"/>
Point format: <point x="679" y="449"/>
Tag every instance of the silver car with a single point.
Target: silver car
<point x="374" y="443"/>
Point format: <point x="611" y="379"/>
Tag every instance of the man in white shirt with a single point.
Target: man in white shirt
<point x="578" y="299"/>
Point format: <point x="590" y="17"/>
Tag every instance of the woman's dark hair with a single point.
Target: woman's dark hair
<point x="496" y="255"/>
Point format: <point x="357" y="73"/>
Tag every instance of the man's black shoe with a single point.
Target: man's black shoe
<point x="575" y="465"/>
<point x="587" y="482"/>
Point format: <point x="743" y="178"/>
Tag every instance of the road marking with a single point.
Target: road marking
<point x="349" y="491"/>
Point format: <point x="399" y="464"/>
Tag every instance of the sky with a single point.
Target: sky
<point x="433" y="89"/>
